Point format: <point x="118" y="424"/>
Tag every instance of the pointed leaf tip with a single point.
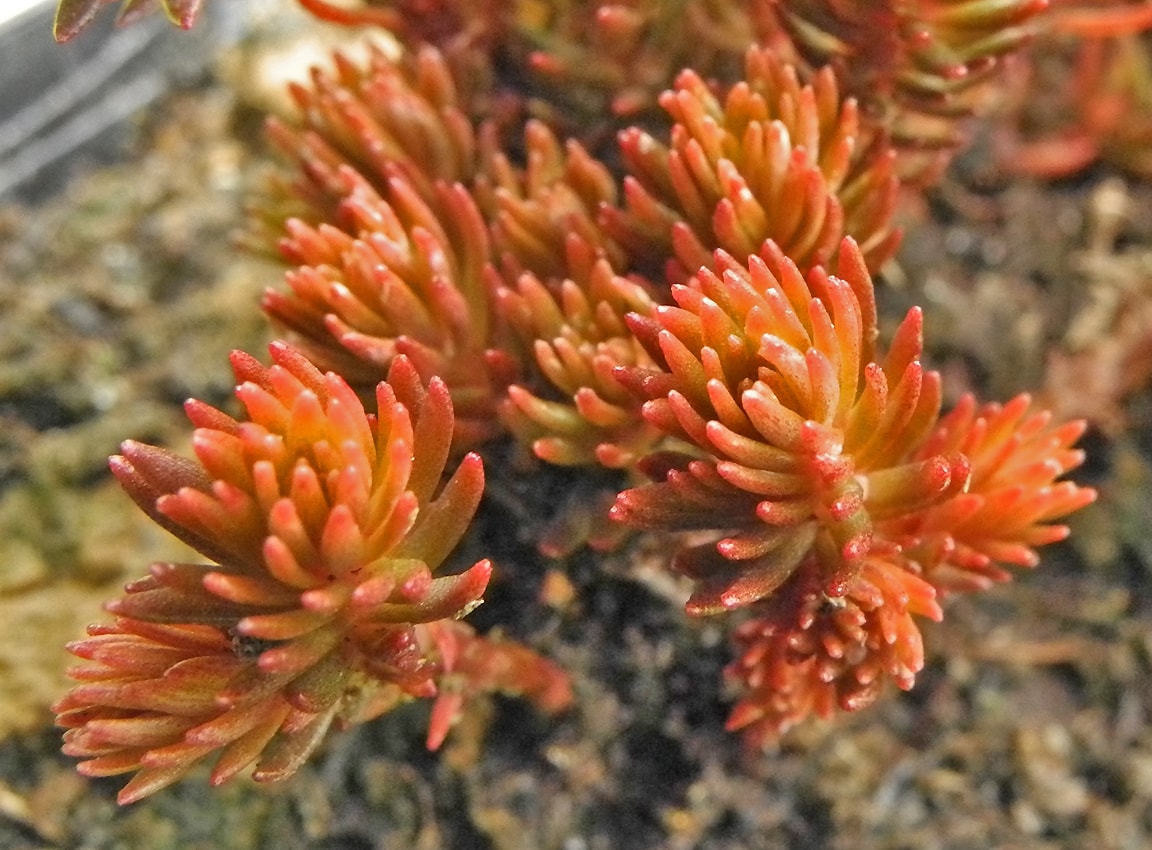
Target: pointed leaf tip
<point x="182" y="13"/>
<point x="72" y="16"/>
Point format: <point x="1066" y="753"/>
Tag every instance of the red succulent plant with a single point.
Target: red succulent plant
<point x="756" y="399"/>
<point x="1100" y="96"/>
<point x="801" y="433"/>
<point x="699" y="310"/>
<point x="917" y="67"/>
<point x="769" y="158"/>
<point x="409" y="279"/>
<point x="839" y="505"/>
<point x="808" y="653"/>
<point x="328" y="529"/>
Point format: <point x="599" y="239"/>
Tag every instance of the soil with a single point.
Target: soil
<point x="1029" y="728"/>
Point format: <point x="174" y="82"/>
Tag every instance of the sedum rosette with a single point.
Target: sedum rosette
<point x="329" y="530"/>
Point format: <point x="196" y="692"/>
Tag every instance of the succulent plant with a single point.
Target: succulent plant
<point x="801" y="432"/>
<point x="840" y="505"/>
<point x="328" y="530"/>
<point x="1017" y="456"/>
<point x="384" y="118"/>
<point x="697" y="308"/>
<point x="806" y="653"/>
<point x="1102" y="97"/>
<point x="769" y="158"/>
<point x="579" y="336"/>
<point x="582" y="66"/>
<point x="410" y="279"/>
<point x="916" y="67"/>
<point x="773" y="160"/>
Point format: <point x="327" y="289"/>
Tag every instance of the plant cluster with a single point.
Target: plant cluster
<point x="694" y="311"/>
<point x="1103" y="92"/>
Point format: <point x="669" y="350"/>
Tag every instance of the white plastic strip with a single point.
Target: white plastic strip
<point x="10" y="10"/>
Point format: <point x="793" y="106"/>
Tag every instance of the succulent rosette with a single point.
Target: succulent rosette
<point x="805" y="653"/>
<point x="382" y="117"/>
<point x="156" y="698"/>
<point x="579" y="335"/>
<point x="328" y="529"/>
<point x="840" y="503"/>
<point x="917" y="67"/>
<point x="774" y="159"/>
<point x="402" y="279"/>
<point x="804" y="435"/>
<point x="808" y="652"/>
<point x="771" y="158"/>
